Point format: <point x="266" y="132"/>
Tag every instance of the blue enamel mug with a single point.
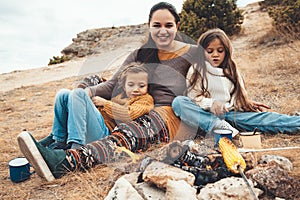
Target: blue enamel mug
<point x="219" y="133"/>
<point x="19" y="169"/>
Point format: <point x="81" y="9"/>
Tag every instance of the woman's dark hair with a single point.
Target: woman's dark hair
<point x="148" y="53"/>
<point x="164" y="5"/>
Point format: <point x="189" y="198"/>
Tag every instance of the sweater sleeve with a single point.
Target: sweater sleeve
<point x="134" y="108"/>
<point x="105" y="89"/>
<point x="203" y="102"/>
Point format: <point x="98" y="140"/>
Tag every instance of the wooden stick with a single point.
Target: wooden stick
<point x="242" y="150"/>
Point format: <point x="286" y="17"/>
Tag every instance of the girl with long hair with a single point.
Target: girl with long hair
<point x="217" y="98"/>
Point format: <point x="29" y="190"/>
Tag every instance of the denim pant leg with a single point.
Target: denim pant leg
<point x="85" y="122"/>
<point x="60" y="122"/>
<point x="191" y="114"/>
<point x="270" y="122"/>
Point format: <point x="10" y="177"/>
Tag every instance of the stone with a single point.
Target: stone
<point x="175" y="190"/>
<point x="150" y="191"/>
<point x="250" y="159"/>
<point x="147" y="191"/>
<point x="159" y="173"/>
<point x="123" y="190"/>
<point x="275" y="180"/>
<point x="283" y="162"/>
<point x="231" y="188"/>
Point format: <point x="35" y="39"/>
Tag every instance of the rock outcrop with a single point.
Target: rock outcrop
<point x="96" y="41"/>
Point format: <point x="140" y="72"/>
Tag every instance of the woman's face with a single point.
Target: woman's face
<point x="215" y="52"/>
<point x="163" y="28"/>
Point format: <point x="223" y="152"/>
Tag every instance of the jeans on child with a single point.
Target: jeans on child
<point x="271" y="122"/>
<point x="76" y="119"/>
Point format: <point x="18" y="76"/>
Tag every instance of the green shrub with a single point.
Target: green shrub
<point x="197" y="16"/>
<point x="286" y="16"/>
<point x="57" y="59"/>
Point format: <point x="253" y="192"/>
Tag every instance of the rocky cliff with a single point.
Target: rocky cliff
<point x="96" y="41"/>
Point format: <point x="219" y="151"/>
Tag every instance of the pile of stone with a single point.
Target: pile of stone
<point x="158" y="179"/>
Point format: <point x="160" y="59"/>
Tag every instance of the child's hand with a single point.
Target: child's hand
<point x="99" y="101"/>
<point x="258" y="106"/>
<point x="218" y="108"/>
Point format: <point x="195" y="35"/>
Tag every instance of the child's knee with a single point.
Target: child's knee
<point x="177" y="104"/>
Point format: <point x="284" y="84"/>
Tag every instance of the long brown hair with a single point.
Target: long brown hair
<point x="228" y="65"/>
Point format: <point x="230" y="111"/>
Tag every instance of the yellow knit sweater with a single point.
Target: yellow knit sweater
<point x="125" y="109"/>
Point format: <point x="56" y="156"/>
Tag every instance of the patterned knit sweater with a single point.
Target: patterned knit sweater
<point x="219" y="88"/>
<point x="125" y="109"/>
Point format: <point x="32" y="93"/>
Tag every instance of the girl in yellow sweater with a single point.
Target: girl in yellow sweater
<point x="134" y="100"/>
<point x="85" y="123"/>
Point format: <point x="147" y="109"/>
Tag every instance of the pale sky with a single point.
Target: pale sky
<point x="32" y="31"/>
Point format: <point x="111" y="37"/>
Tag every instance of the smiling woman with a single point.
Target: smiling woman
<point x="163" y="29"/>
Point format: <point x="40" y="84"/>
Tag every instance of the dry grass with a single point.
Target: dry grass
<point x="272" y="76"/>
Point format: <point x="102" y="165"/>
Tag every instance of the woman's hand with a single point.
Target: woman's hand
<point x="99" y="101"/>
<point x="218" y="108"/>
<point x="258" y="106"/>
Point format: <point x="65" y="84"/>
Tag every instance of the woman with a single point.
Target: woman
<point x="168" y="61"/>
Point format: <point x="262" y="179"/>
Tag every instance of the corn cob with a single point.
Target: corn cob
<point x="231" y="156"/>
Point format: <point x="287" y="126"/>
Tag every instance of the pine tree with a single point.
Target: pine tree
<point x="197" y="16"/>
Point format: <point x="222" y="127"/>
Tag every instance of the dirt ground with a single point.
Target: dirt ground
<point x="271" y="72"/>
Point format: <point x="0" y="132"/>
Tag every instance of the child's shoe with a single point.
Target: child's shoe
<point x="222" y="124"/>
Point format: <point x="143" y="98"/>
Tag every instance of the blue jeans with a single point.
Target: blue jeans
<point x="76" y="119"/>
<point x="271" y="122"/>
